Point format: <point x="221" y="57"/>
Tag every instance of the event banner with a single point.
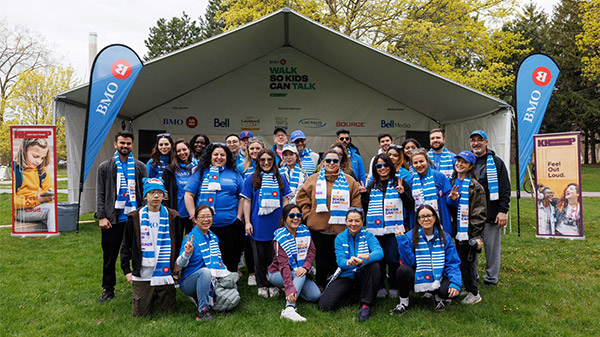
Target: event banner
<point x="558" y="182"/>
<point x="114" y="71"/>
<point x="535" y="83"/>
<point x="34" y="180"/>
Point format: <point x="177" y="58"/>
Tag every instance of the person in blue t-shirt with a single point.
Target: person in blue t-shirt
<point x="265" y="192"/>
<point x="217" y="183"/>
<point x="176" y="176"/>
<point x="160" y="156"/>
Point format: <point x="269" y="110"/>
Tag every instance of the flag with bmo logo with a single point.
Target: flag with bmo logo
<point x="114" y="71"/>
<point x="535" y="83"/>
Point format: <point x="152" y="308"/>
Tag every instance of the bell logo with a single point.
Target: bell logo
<point x="542" y="76"/>
<point x="121" y="69"/>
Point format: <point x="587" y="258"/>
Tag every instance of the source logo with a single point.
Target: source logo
<point x="191" y="122"/>
<point x="345" y="124"/>
<point x="542" y="76"/>
<point x="121" y="69"/>
<point x="313" y="123"/>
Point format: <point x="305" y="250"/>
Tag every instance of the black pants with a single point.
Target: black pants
<point x="249" y="255"/>
<point x="468" y="269"/>
<point x="344" y="291"/>
<point x="406" y="283"/>
<point x="231" y="243"/>
<point x="263" y="256"/>
<point x="186" y="225"/>
<point x="391" y="259"/>
<point x="325" y="256"/>
<point x="111" y="245"/>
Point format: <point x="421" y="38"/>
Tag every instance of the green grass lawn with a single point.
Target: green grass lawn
<point x="590" y="178"/>
<point x="547" y="287"/>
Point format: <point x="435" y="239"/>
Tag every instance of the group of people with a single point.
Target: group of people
<point x="318" y="227"/>
<point x="559" y="216"/>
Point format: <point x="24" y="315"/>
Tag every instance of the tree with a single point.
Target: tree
<point x="20" y="50"/>
<point x="588" y="41"/>
<point x="210" y="25"/>
<point x="32" y="100"/>
<point x="450" y="37"/>
<point x="166" y="37"/>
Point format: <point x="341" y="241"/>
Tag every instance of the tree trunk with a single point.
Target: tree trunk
<point x="586" y="145"/>
<point x="593" y="144"/>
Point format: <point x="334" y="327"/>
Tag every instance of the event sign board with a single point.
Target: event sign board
<point x="558" y="182"/>
<point x="34" y="180"/>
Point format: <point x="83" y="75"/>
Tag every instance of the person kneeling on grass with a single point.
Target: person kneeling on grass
<point x="428" y="261"/>
<point x="294" y="256"/>
<point x="151" y="243"/>
<point x="356" y="251"/>
<point x="204" y="276"/>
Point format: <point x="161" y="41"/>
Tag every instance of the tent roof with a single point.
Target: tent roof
<point x="173" y="75"/>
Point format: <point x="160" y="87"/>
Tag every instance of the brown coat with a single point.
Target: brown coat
<point x="305" y="199"/>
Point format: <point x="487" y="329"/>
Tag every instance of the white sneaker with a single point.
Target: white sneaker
<point x="381" y="293"/>
<point x="252" y="280"/>
<point x="393" y="293"/>
<point x="273" y="291"/>
<point x="290" y="313"/>
<point x="471" y="299"/>
<point x="427" y="295"/>
<point x="263" y="292"/>
<point x="463" y="293"/>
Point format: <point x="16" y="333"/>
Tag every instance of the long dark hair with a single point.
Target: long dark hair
<point x="286" y="210"/>
<point x="193" y="144"/>
<point x="257" y="179"/>
<point x="471" y="173"/>
<point x="436" y="224"/>
<point x="155" y="156"/>
<point x="175" y="161"/>
<point x="407" y="163"/>
<point x="377" y="182"/>
<point x="401" y="154"/>
<point x="205" y="160"/>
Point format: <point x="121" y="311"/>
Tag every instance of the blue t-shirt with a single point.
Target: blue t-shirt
<point x="226" y="203"/>
<point x="157" y="171"/>
<point x="264" y="225"/>
<point x="248" y="172"/>
<point x="196" y="261"/>
<point x="182" y="176"/>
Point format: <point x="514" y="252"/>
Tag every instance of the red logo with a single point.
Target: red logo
<point x="283" y="62"/>
<point x="275" y="194"/>
<point x="191" y="122"/>
<point x="166" y="270"/>
<point x="121" y="69"/>
<point x="210" y="200"/>
<point x="214" y="177"/>
<point x="378" y="222"/>
<point x="541" y="76"/>
<point x="220" y="264"/>
<point x="428" y="277"/>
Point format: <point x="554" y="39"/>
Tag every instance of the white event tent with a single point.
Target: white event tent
<point x="285" y="70"/>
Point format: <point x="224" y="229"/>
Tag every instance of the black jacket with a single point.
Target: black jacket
<point x="407" y="200"/>
<point x="503" y="203"/>
<point x="131" y="250"/>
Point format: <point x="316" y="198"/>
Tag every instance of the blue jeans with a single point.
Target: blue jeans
<point x="198" y="285"/>
<point x="305" y="288"/>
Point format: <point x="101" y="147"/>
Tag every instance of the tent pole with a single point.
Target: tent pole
<point x="518" y="178"/>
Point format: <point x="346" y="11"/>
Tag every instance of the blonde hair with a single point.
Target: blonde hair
<point x="247" y="159"/>
<point x="21" y="158"/>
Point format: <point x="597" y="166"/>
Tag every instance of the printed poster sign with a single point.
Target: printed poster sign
<point x="34" y="180"/>
<point x="558" y="181"/>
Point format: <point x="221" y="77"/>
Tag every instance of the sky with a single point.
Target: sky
<point x="66" y="24"/>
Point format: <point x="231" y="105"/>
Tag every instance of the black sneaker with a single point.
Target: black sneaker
<point x="204" y="315"/>
<point x="439" y="305"/>
<point x="400" y="309"/>
<point x="487" y="284"/>
<point x="364" y="314"/>
<point x="106" y="295"/>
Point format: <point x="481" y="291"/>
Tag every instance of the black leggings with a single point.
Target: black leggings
<point x="231" y="243"/>
<point x="406" y="282"/>
<point x="325" y="258"/>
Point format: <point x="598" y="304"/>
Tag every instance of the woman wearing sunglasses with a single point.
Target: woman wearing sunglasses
<point x="324" y="200"/>
<point x="430" y="187"/>
<point x="160" y="156"/>
<point x="294" y="256"/>
<point x="429" y="261"/>
<point x="386" y="202"/>
<point x="265" y="192"/>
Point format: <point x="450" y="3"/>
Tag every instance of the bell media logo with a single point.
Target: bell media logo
<point x="542" y="76"/>
<point x="121" y="69"/>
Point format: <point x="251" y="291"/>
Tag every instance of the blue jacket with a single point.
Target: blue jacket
<point x="451" y="265"/>
<point x="375" y="251"/>
<point x="358" y="166"/>
<point x="442" y="184"/>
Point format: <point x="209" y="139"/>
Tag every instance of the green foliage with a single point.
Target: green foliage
<point x="169" y="36"/>
<point x="210" y="25"/>
<point x="588" y="40"/>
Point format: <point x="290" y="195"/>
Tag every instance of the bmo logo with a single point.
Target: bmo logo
<point x="121" y="69"/>
<point x="542" y="76"/>
<point x="191" y="122"/>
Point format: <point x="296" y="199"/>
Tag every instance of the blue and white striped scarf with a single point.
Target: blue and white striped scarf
<point x="425" y="193"/>
<point x="363" y="246"/>
<point x="211" y="254"/>
<point x="492" y="178"/>
<point x="430" y="263"/>
<point x="293" y="177"/>
<point x="156" y="253"/>
<point x="462" y="228"/>
<point x="340" y="197"/>
<point x="125" y="184"/>
<point x="384" y="214"/>
<point x="269" y="199"/>
<point x="211" y="183"/>
<point x="446" y="162"/>
<point x="295" y="248"/>
<point x="308" y="164"/>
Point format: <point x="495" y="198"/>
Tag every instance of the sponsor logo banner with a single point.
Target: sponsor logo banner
<point x="312" y="123"/>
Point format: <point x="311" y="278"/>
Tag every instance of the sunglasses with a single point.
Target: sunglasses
<point x="382" y="165"/>
<point x="344" y="138"/>
<point x="295" y="215"/>
<point x="266" y="160"/>
<point x="426" y="217"/>
<point x="419" y="150"/>
<point x="163" y="135"/>
<point x="332" y="160"/>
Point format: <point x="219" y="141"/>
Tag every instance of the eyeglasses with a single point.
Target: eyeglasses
<point x="163" y="135"/>
<point x="280" y="135"/>
<point x="382" y="165"/>
<point x="332" y="160"/>
<point x="343" y="139"/>
<point x="295" y="215"/>
<point x="426" y="217"/>
<point x="204" y="217"/>
<point x="156" y="192"/>
<point x="266" y="160"/>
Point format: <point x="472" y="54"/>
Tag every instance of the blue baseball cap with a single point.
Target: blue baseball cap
<point x="153" y="184"/>
<point x="479" y="133"/>
<point x="298" y="134"/>
<point x="246" y="134"/>
<point x="468" y="156"/>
